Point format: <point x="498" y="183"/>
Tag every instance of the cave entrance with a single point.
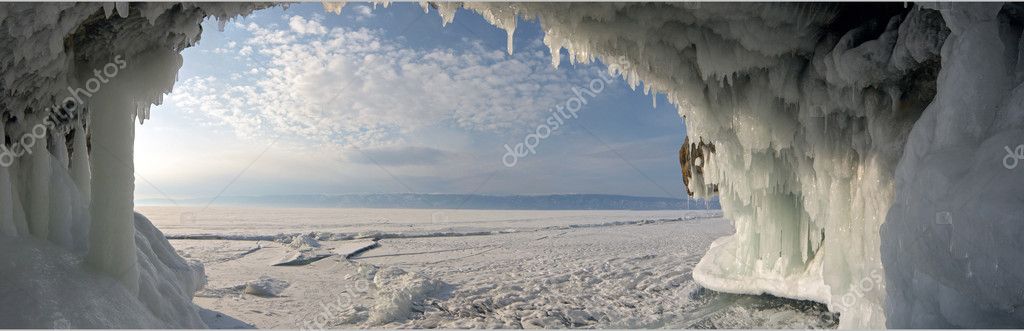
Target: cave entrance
<point x="390" y="101"/>
<point x="379" y="142"/>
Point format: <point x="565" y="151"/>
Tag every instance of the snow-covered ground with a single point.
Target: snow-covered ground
<point x="463" y="268"/>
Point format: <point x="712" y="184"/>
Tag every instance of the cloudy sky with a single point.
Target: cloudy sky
<point x="387" y="100"/>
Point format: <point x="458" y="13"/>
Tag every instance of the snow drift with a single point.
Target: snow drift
<point x="46" y="286"/>
<point x="857" y="147"/>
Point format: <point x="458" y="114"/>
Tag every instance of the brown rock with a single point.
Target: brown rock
<point x="692" y="157"/>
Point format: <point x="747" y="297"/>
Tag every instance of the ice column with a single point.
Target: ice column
<point x="39" y="176"/>
<point x="7" y="227"/>
<point x="112" y="233"/>
<point x="138" y="81"/>
<point x="80" y="171"/>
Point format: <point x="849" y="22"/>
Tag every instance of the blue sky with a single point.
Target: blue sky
<point x="387" y="100"/>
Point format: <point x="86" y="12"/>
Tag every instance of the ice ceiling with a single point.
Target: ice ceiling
<point x="858" y="147"/>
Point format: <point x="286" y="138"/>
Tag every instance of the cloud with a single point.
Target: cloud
<point x="363" y="12"/>
<point x="400" y="156"/>
<point x="300" y="25"/>
<point x="351" y="87"/>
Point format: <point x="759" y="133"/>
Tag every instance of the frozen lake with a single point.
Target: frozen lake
<point x="464" y="269"/>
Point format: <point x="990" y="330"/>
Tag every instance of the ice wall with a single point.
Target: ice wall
<point x="951" y="245"/>
<point x="809" y="107"/>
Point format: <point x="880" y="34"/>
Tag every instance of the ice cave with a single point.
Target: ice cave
<point x="862" y="151"/>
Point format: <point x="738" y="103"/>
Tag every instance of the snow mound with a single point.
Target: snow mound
<point x="397" y="292"/>
<point x="304" y="242"/>
<point x="46" y="286"/>
<point x="167" y="281"/>
<point x="265" y="287"/>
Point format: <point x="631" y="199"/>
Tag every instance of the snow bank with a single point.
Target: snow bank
<point x="48" y="286"/>
<point x="167" y="281"/>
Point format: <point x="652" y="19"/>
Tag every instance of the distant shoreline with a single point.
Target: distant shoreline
<point x="447" y="201"/>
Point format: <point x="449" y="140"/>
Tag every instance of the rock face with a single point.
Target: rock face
<point x="692" y="157"/>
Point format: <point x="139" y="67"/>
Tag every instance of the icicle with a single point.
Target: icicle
<point x="555" y="49"/>
<point x="7" y="227"/>
<point x="511" y="31"/>
<point x="447" y="11"/>
<point x="39" y="181"/>
<point x="151" y="11"/>
<point x="108" y="9"/>
<point x="20" y="220"/>
<point x="122" y="9"/>
<point x="802" y="236"/>
<point x="61" y="191"/>
<point x="334" y="6"/>
<point x="80" y="172"/>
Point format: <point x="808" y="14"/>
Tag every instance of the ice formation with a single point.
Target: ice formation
<point x="74" y="77"/>
<point x="809" y="108"/>
<point x="397" y="291"/>
<point x="951" y="245"/>
<point x="48" y="286"/>
<point x="852" y="142"/>
<point x="265" y="287"/>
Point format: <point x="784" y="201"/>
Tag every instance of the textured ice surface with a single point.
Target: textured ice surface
<point x="617" y="275"/>
<point x="952" y="242"/>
